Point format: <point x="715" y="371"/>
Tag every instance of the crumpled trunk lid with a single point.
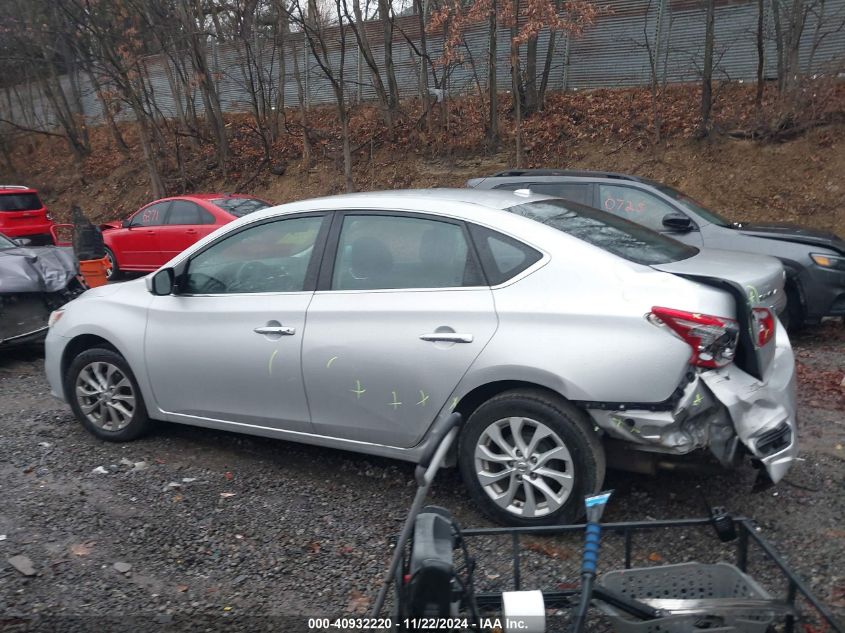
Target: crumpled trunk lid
<point x="753" y="280"/>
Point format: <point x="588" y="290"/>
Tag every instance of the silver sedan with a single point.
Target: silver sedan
<point x="562" y="334"/>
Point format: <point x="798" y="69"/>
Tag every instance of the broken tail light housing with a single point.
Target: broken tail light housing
<point x="713" y="339"/>
<point x="764" y="326"/>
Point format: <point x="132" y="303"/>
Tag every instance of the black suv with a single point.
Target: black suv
<point x="814" y="260"/>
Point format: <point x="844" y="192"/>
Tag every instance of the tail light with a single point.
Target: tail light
<point x="713" y="339"/>
<point x="764" y="326"/>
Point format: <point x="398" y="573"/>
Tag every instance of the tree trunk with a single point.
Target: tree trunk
<point x="515" y="87"/>
<point x="761" y="58"/>
<point x="303" y="111"/>
<point x="493" y="123"/>
<point x="156" y="183"/>
<point x="107" y="113"/>
<point x="528" y="91"/>
<point x="707" y="74"/>
<point x="359" y="27"/>
<point x="387" y="31"/>
<point x="422" y="13"/>
<point x="347" y="151"/>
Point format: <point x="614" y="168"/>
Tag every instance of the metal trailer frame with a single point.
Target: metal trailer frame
<point x="746" y="534"/>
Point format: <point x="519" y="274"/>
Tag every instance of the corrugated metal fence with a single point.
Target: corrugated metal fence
<point x="625" y="47"/>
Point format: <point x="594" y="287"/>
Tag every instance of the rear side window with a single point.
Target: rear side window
<point x="381" y="252"/>
<point x="19" y="202"/>
<point x="186" y="212"/>
<point x="240" y="207"/>
<point x="502" y="257"/>
<point x="613" y="234"/>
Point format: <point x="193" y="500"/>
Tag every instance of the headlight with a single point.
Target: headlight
<point x="55" y="315"/>
<point x="828" y="261"/>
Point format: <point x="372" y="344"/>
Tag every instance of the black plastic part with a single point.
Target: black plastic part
<point x="429" y="590"/>
<point x="723" y="523"/>
<point x="439" y="431"/>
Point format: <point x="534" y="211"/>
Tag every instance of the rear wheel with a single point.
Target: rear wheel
<point x="104" y="396"/>
<point x="112" y="268"/>
<point x="529" y="458"/>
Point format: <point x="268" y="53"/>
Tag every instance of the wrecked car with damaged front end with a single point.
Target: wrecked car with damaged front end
<point x="34" y="281"/>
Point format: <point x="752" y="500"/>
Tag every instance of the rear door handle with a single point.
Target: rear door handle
<point x="279" y="329"/>
<point x="447" y="337"/>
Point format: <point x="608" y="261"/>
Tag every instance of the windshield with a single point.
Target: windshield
<point x="610" y="233"/>
<point x="5" y="242"/>
<point x="691" y="205"/>
<point x="240" y="207"/>
<point x="19" y="202"/>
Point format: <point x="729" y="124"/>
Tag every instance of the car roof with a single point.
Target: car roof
<point x="8" y="189"/>
<point x="570" y="173"/>
<point x="411" y="199"/>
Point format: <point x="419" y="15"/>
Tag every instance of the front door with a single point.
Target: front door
<point x="402" y="316"/>
<point x="227" y="346"/>
<point x="137" y="245"/>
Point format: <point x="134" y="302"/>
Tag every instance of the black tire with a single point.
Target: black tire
<point x="795" y="314"/>
<point x="572" y="428"/>
<point x="101" y="361"/>
<point x="113" y="273"/>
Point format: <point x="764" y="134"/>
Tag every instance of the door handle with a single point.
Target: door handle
<point x="279" y="329"/>
<point x="447" y="337"/>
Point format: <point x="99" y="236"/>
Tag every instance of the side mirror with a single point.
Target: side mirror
<point x="23" y="241"/>
<point x="677" y="222"/>
<point x="161" y="283"/>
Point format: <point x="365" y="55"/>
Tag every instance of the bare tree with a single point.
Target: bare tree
<point x="707" y="72"/>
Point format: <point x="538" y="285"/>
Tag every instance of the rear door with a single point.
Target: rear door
<point x="137" y="245"/>
<point x="186" y="223"/>
<point x="400" y="314"/>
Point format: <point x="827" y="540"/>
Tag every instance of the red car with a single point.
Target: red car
<point x="157" y="232"/>
<point x="22" y="214"/>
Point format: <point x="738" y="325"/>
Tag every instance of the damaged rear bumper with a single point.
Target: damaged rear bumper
<point x="725" y="410"/>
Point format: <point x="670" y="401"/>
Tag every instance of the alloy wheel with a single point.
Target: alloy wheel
<point x="524" y="467"/>
<point x="105" y="396"/>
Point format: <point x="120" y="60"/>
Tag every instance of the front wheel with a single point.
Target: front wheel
<point x="529" y="458"/>
<point x="112" y="268"/>
<point x="104" y="396"/>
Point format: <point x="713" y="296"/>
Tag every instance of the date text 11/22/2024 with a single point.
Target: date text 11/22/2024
<point x="415" y="624"/>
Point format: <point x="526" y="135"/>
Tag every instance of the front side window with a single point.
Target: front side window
<point x="610" y="233"/>
<point x="270" y="257"/>
<point x="694" y="206"/>
<point x="635" y="205"/>
<point x="380" y="252"/>
<point x="152" y="215"/>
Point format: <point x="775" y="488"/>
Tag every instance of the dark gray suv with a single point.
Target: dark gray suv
<point x="814" y="260"/>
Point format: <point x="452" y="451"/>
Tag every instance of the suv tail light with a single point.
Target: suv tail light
<point x="713" y="339"/>
<point x="764" y="326"/>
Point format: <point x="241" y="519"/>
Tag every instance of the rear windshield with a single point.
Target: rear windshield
<point x="19" y="202"/>
<point x="611" y="233"/>
<point x="240" y="206"/>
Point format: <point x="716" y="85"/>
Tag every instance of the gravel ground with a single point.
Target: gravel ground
<point x="191" y="529"/>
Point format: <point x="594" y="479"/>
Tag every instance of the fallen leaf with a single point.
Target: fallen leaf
<point x="654" y="557"/>
<point x="313" y="547"/>
<point x="229" y="476"/>
<point x="181" y="588"/>
<point x="548" y="549"/>
<point x="358" y="602"/>
<point x="227" y="494"/>
<point x="82" y="549"/>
